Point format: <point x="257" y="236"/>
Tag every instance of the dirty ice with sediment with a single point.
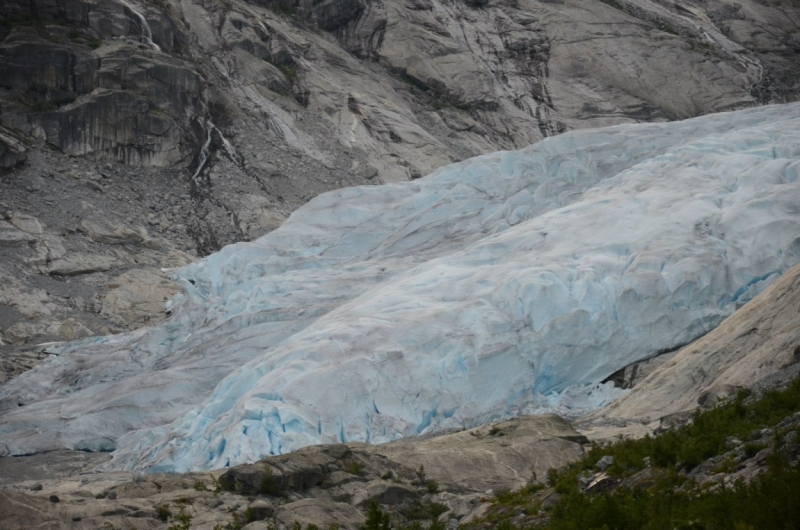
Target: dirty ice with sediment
<point x="506" y="284"/>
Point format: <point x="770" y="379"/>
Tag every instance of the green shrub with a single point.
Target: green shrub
<point x="163" y="512"/>
<point x="705" y="437"/>
<point x="726" y="466"/>
<point x="269" y="483"/>
<point x="236" y="523"/>
<point x="416" y="511"/>
<point x="226" y="483"/>
<point x="354" y="467"/>
<point x="421" y="478"/>
<point x="671" y="502"/>
<point x="770" y="501"/>
<point x="216" y="484"/>
<point x="376" y="519"/>
<point x="288" y="71"/>
<point x="431" y="486"/>
<point x="436" y="509"/>
<point x="437" y="525"/>
<point x="505" y="524"/>
<point x="751" y="449"/>
<point x="183" y="521"/>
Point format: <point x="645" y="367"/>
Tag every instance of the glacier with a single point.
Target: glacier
<point x="506" y="284"/>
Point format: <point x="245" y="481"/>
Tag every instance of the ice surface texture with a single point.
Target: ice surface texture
<point x="380" y="312"/>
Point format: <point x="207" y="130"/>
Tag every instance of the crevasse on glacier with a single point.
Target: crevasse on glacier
<point x="479" y="292"/>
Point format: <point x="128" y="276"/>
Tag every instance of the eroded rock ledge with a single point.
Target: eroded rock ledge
<point x="451" y="476"/>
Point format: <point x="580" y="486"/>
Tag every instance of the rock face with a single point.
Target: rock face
<point x="322" y="513"/>
<point x="496" y="456"/>
<point x="12" y="151"/>
<point x="321" y="485"/>
<point x="138" y="298"/>
<point x="472" y="460"/>
<point x="96" y="277"/>
<point x="759" y="340"/>
<point x="83" y="96"/>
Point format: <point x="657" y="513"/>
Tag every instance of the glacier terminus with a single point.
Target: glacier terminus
<point x="506" y="284"/>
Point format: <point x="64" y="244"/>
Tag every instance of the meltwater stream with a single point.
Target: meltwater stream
<point x="146" y="35"/>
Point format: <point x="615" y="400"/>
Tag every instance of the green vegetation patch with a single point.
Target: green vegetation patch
<point x="354" y="467"/>
<point x="669" y="500"/>
<point x="270" y="485"/>
<point x="770" y="501"/>
<point x="163" y="512"/>
<point x="290" y="72"/>
<point x="705" y="437"/>
<point x="377" y="519"/>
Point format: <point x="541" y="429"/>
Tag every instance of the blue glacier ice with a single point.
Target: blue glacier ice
<point x="505" y="284"/>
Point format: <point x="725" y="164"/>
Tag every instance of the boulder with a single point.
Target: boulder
<point x="115" y="234"/>
<point x="21" y="332"/>
<point x="25" y="222"/>
<point x="260" y="509"/>
<point x="137" y="297"/>
<point x="496" y="456"/>
<point x="379" y="491"/>
<point x="601" y="482"/>
<point x="321" y="512"/>
<point x="12" y="150"/>
<point x="11" y="236"/>
<point x="257" y="216"/>
<point x="338" y="478"/>
<point x="80" y="263"/>
<point x="247" y="479"/>
<point x="604" y="462"/>
<point x="717" y="394"/>
<point x="48" y="247"/>
<point x="73" y="329"/>
<point x="297" y="471"/>
<point x="84" y="494"/>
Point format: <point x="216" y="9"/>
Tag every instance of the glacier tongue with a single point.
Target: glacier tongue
<point x="505" y="284"/>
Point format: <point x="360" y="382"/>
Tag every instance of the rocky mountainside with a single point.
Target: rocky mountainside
<point x="138" y="135"/>
<point x="751" y="348"/>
